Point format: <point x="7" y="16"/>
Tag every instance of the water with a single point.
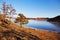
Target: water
<point x="43" y="25"/>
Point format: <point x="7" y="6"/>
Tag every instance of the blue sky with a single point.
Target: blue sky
<point x="36" y="8"/>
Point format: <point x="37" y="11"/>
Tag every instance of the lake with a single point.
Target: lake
<point x="43" y="25"/>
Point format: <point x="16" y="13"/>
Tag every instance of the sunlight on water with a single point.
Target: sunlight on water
<point x="44" y="25"/>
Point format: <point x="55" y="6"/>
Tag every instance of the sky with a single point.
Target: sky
<point x="35" y="8"/>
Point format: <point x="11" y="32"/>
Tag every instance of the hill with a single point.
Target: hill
<point x="11" y="31"/>
<point x="55" y="19"/>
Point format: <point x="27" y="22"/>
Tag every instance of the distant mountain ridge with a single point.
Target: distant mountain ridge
<point x="55" y="19"/>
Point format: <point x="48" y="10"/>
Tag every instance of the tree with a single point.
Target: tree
<point x="22" y="19"/>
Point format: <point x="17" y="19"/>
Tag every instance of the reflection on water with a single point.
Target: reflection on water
<point x="56" y="23"/>
<point x="44" y="25"/>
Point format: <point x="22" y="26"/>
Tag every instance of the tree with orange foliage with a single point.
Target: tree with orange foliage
<point x="22" y="19"/>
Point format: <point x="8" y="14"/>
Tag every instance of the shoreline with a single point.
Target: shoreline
<point x="40" y="29"/>
<point x="42" y="34"/>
